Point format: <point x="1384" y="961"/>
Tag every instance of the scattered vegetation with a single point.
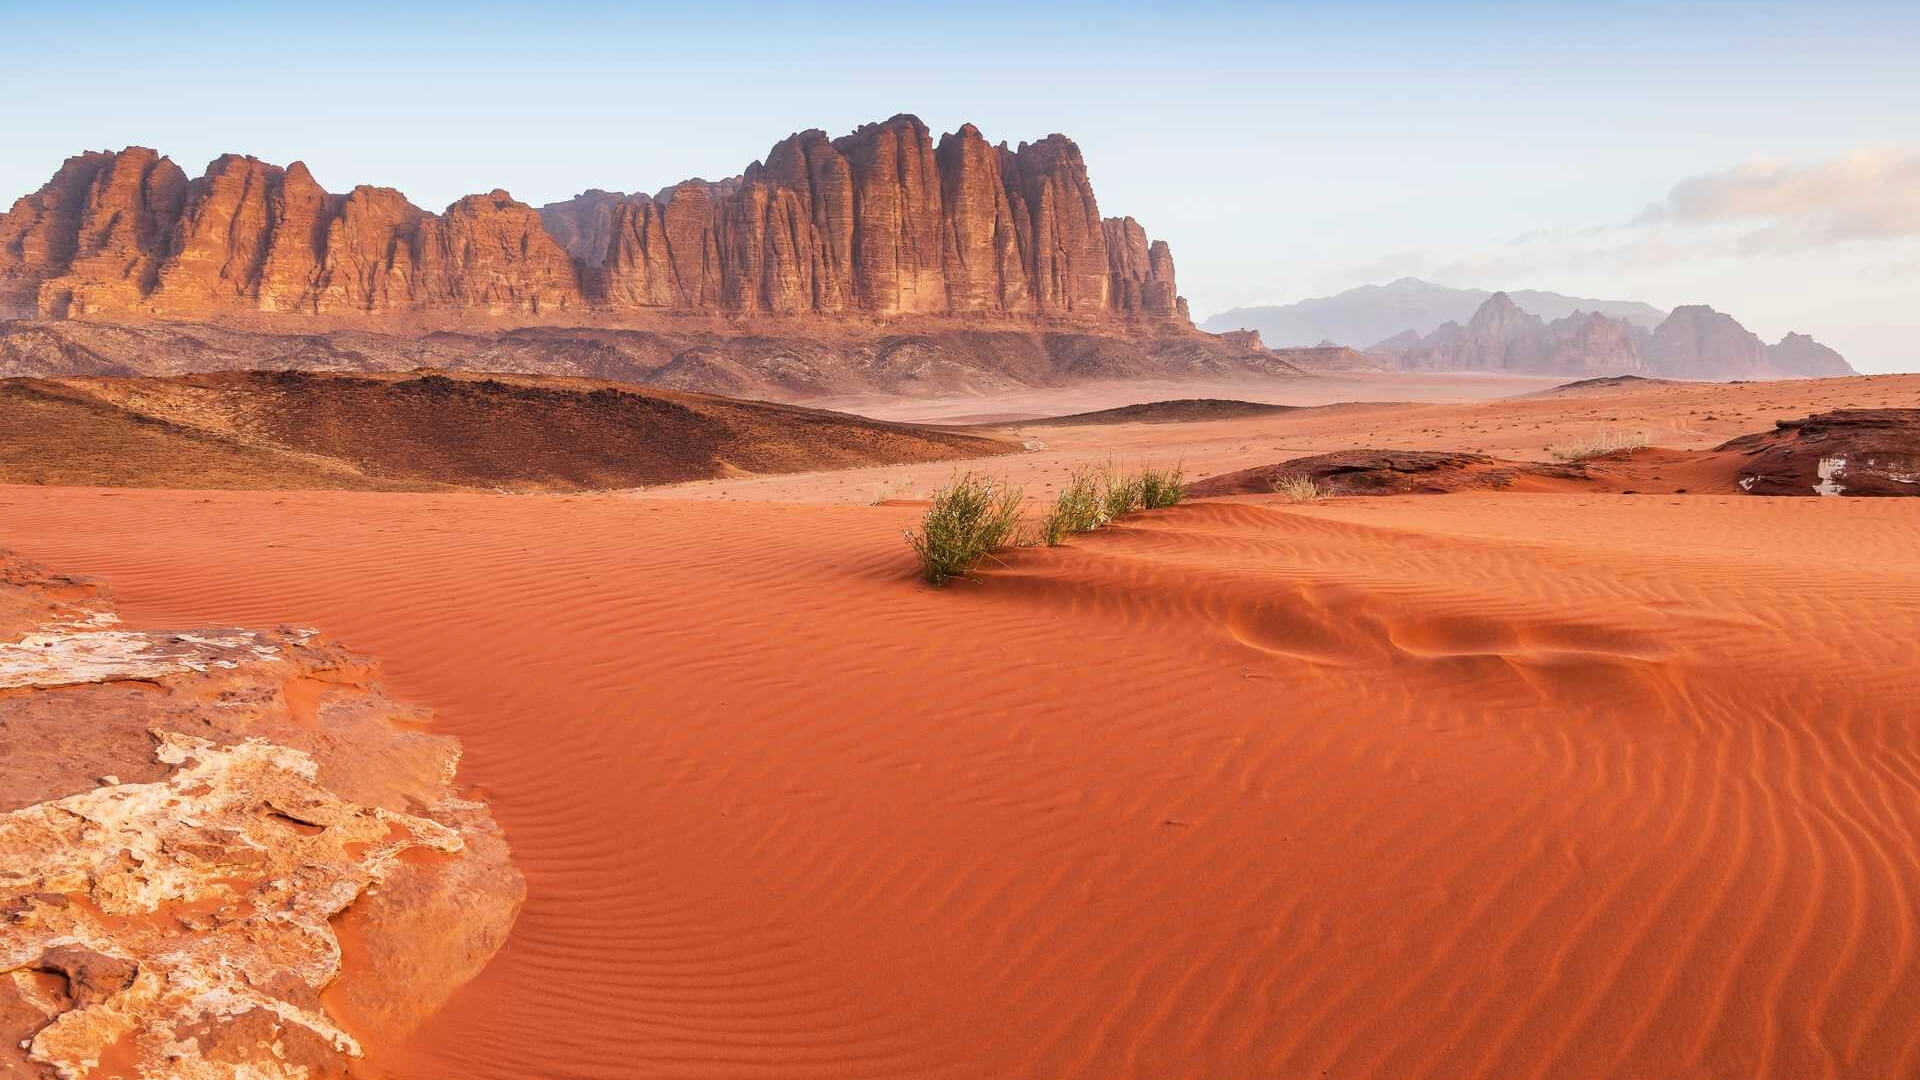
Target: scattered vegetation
<point x="970" y="519"/>
<point x="1298" y="487"/>
<point x="1599" y="445"/>
<point x="1093" y="498"/>
<point x="975" y="516"/>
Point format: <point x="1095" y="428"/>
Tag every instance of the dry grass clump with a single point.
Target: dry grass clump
<point x="1593" y="446"/>
<point x="1298" y="487"/>
<point x="971" y="518"/>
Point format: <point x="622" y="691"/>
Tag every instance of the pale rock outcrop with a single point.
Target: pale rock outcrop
<point x="187" y="819"/>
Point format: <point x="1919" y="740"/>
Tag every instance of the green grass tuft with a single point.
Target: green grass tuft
<point x="970" y="518"/>
<point x="1094" y="498"/>
<point x="1080" y="507"/>
<point x="1121" y="495"/>
<point x="1160" y="488"/>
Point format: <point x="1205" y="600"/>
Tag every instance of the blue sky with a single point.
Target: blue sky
<point x="1285" y="150"/>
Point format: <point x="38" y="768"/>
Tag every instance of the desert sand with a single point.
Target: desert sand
<point x="1471" y="785"/>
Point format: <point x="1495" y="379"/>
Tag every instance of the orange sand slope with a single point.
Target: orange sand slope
<point x="1464" y="786"/>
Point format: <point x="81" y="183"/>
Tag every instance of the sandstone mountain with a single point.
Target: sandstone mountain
<point x="1693" y="342"/>
<point x="1800" y="353"/>
<point x="884" y="261"/>
<point x="882" y="222"/>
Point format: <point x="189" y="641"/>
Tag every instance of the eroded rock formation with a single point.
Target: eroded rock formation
<point x="187" y="820"/>
<point x="882" y="222"/>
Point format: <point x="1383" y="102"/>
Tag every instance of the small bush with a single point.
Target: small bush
<point x="1080" y="507"/>
<point x="1598" y="445"/>
<point x="1298" y="487"/>
<point x="1094" y="498"/>
<point x="1162" y="487"/>
<point x="970" y="518"/>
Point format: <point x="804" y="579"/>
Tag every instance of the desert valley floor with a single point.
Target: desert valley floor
<point x="1485" y="784"/>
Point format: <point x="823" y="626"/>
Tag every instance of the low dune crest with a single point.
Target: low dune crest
<point x="425" y="431"/>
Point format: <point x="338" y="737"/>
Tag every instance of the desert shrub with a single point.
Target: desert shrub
<point x="1161" y="487"/>
<point x="1121" y="495"/>
<point x="1080" y="507"/>
<point x="1593" y="446"/>
<point x="970" y="518"/>
<point x="1093" y="498"/>
<point x="1298" y="487"/>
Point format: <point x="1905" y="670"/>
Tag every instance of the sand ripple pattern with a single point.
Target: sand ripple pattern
<point x="1501" y="786"/>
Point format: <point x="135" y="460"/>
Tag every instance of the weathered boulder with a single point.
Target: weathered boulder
<point x="1845" y="452"/>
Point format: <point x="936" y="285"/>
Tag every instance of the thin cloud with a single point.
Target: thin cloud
<point x="1868" y="195"/>
<point x="1867" y="202"/>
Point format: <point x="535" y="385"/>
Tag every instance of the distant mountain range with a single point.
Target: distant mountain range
<point x="1693" y="342"/>
<point x="1359" y="317"/>
<point x="1416" y="325"/>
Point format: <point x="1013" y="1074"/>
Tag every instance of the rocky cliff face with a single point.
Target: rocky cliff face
<point x="1694" y="342"/>
<point x="101" y="227"/>
<point x="883" y="222"/>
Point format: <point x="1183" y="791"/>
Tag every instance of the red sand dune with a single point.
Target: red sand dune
<point x="1483" y="785"/>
